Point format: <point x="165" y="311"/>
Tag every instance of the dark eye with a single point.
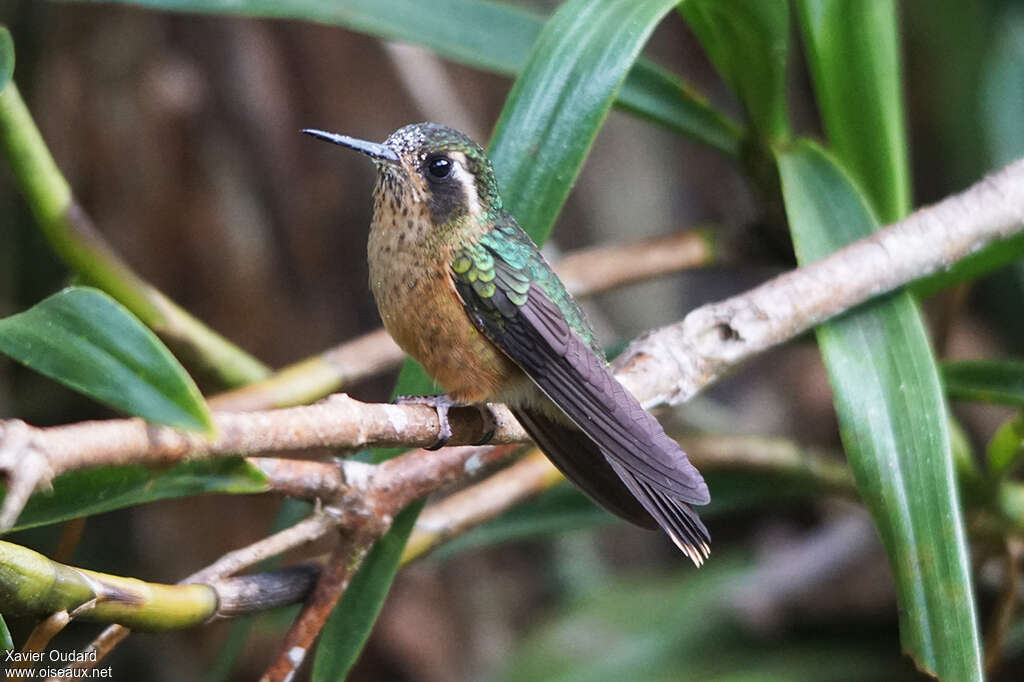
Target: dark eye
<point x="439" y="167"/>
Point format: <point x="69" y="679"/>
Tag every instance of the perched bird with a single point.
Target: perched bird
<point x="463" y="290"/>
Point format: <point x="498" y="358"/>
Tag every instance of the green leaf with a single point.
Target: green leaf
<point x="86" y="340"/>
<point x="493" y="36"/>
<point x="6" y="57"/>
<point x="94" y="491"/>
<point x="663" y="98"/>
<point x="986" y="261"/>
<point x="550" y="118"/>
<point x="986" y="381"/>
<point x="853" y="54"/>
<point x="1002" y="88"/>
<point x="1006" y="448"/>
<point x="552" y="114"/>
<point x="748" y="42"/>
<point x="893" y="422"/>
<point x="6" y="643"/>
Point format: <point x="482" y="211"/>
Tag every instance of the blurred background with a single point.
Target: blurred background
<point x="179" y="135"/>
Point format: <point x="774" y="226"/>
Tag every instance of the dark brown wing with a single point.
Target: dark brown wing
<point x="532" y="331"/>
<point x="583" y="463"/>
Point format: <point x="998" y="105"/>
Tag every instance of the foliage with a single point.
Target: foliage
<point x="83" y="338"/>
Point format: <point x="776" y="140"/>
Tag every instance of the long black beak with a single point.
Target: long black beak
<point x="377" y="152"/>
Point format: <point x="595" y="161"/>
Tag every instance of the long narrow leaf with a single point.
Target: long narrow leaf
<point x="1002" y="88"/>
<point x="988" y="381"/>
<point x="487" y="35"/>
<point x="575" y="69"/>
<point x="748" y="42"/>
<point x="6" y="642"/>
<point x="94" y="491"/>
<point x="853" y="53"/>
<point x="893" y="424"/>
<point x="86" y="340"/>
<point x="6" y="57"/>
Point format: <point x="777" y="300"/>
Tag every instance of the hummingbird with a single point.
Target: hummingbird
<point x="465" y="292"/>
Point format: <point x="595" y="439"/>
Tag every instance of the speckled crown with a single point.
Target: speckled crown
<point x="422" y="138"/>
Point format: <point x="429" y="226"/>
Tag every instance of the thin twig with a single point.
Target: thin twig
<point x="477" y="504"/>
<point x="307" y="530"/>
<point x="333" y="582"/>
<point x="37" y="642"/>
<point x="303" y="532"/>
<point x="98" y="648"/>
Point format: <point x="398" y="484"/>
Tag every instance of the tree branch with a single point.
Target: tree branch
<point x="667" y="365"/>
<point x="671" y="364"/>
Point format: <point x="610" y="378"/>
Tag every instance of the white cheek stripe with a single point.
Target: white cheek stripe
<point x="468" y="184"/>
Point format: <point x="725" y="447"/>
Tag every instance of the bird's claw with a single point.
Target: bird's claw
<point x="490" y="423"/>
<point x="441" y="404"/>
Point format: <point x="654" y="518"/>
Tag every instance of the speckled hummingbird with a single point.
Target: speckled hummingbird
<point x="463" y="290"/>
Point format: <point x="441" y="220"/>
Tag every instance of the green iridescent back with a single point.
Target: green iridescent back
<point x="475" y="265"/>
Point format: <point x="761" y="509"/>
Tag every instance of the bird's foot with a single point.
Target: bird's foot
<point x="441" y="404"/>
<point x="490" y="423"/>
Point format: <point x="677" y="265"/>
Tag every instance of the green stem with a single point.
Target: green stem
<point x="76" y="242"/>
<point x="32" y="584"/>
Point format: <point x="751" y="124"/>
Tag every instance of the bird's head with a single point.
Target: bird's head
<point x="429" y="167"/>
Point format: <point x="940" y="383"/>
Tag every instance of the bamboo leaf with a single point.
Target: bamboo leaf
<point x="853" y="54"/>
<point x="6" y="643"/>
<point x="893" y="423"/>
<point x="86" y="340"/>
<point x="986" y="381"/>
<point x="6" y="57"/>
<point x="1002" y="88"/>
<point x="1006" y="448"/>
<point x="748" y="42"/>
<point x="575" y="69"/>
<point x="94" y="491"/>
<point x="993" y="257"/>
<point x="493" y="36"/>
